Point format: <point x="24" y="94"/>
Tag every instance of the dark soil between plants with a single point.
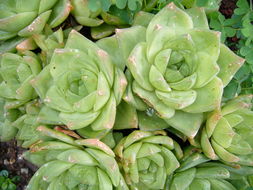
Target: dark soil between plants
<point x="11" y="155"/>
<point x="227" y="7"/>
<point x="11" y="160"/>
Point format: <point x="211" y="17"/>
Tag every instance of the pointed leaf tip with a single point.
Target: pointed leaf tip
<point x="171" y="5"/>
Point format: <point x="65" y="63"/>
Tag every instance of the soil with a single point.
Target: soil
<point x="11" y="160"/>
<point x="11" y="155"/>
<point x="227" y="7"/>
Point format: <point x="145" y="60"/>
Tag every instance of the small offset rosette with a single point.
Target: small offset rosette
<point x="147" y="158"/>
<point x="228" y="132"/>
<point x="197" y="173"/>
<point x="17" y="71"/>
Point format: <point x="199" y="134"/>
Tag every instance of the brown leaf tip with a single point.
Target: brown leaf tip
<point x="132" y="60"/>
<point x="69" y="7"/>
<point x="123" y="82"/>
<point x="71" y="160"/>
<point x="241" y="61"/>
<point x="45" y="178"/>
<point x="59" y="51"/>
<point x="158" y="27"/>
<point x="118" y="31"/>
<point x="201" y="8"/>
<point x="102" y="53"/>
<point x="171" y="6"/>
<point x="217" y="33"/>
<point x="73" y="31"/>
<point x="30" y="27"/>
<point x="40" y="128"/>
<point x="100" y="93"/>
<point x="47" y="99"/>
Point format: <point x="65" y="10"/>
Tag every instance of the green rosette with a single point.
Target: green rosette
<point x="35" y="114"/>
<point x="240" y="177"/>
<point x="17" y="71"/>
<point x="196" y="173"/>
<point x="73" y="164"/>
<point x="21" y="123"/>
<point x="105" y="16"/>
<point x="227" y="134"/>
<point x="147" y="158"/>
<point x="25" y="18"/>
<point x="7" y="117"/>
<point x="178" y="65"/>
<point x="102" y="21"/>
<point x="83" y="84"/>
<point x="11" y="80"/>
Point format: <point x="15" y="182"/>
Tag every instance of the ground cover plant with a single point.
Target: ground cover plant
<point x="7" y="182"/>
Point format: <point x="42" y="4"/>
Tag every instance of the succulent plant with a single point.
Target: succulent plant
<point x="104" y="16"/>
<point x="21" y="123"/>
<point x="212" y="178"/>
<point x="196" y="172"/>
<point x="82" y="83"/>
<point x="240" y="177"/>
<point x="147" y="158"/>
<point x="24" y="18"/>
<point x="35" y="114"/>
<point x="84" y="15"/>
<point x="134" y="5"/>
<point x="49" y="41"/>
<point x="209" y="5"/>
<point x="46" y="42"/>
<point x="74" y="164"/>
<point x="227" y="134"/>
<point x="7" y="117"/>
<point x="179" y="66"/>
<point x="100" y="27"/>
<point x="165" y="72"/>
<point x="17" y="71"/>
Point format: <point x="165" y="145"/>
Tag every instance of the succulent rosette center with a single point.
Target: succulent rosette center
<point x="178" y="66"/>
<point x="17" y="71"/>
<point x="147" y="159"/>
<point x="228" y="132"/>
<point x="80" y="85"/>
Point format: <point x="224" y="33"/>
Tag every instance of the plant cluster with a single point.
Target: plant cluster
<point x="144" y="108"/>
